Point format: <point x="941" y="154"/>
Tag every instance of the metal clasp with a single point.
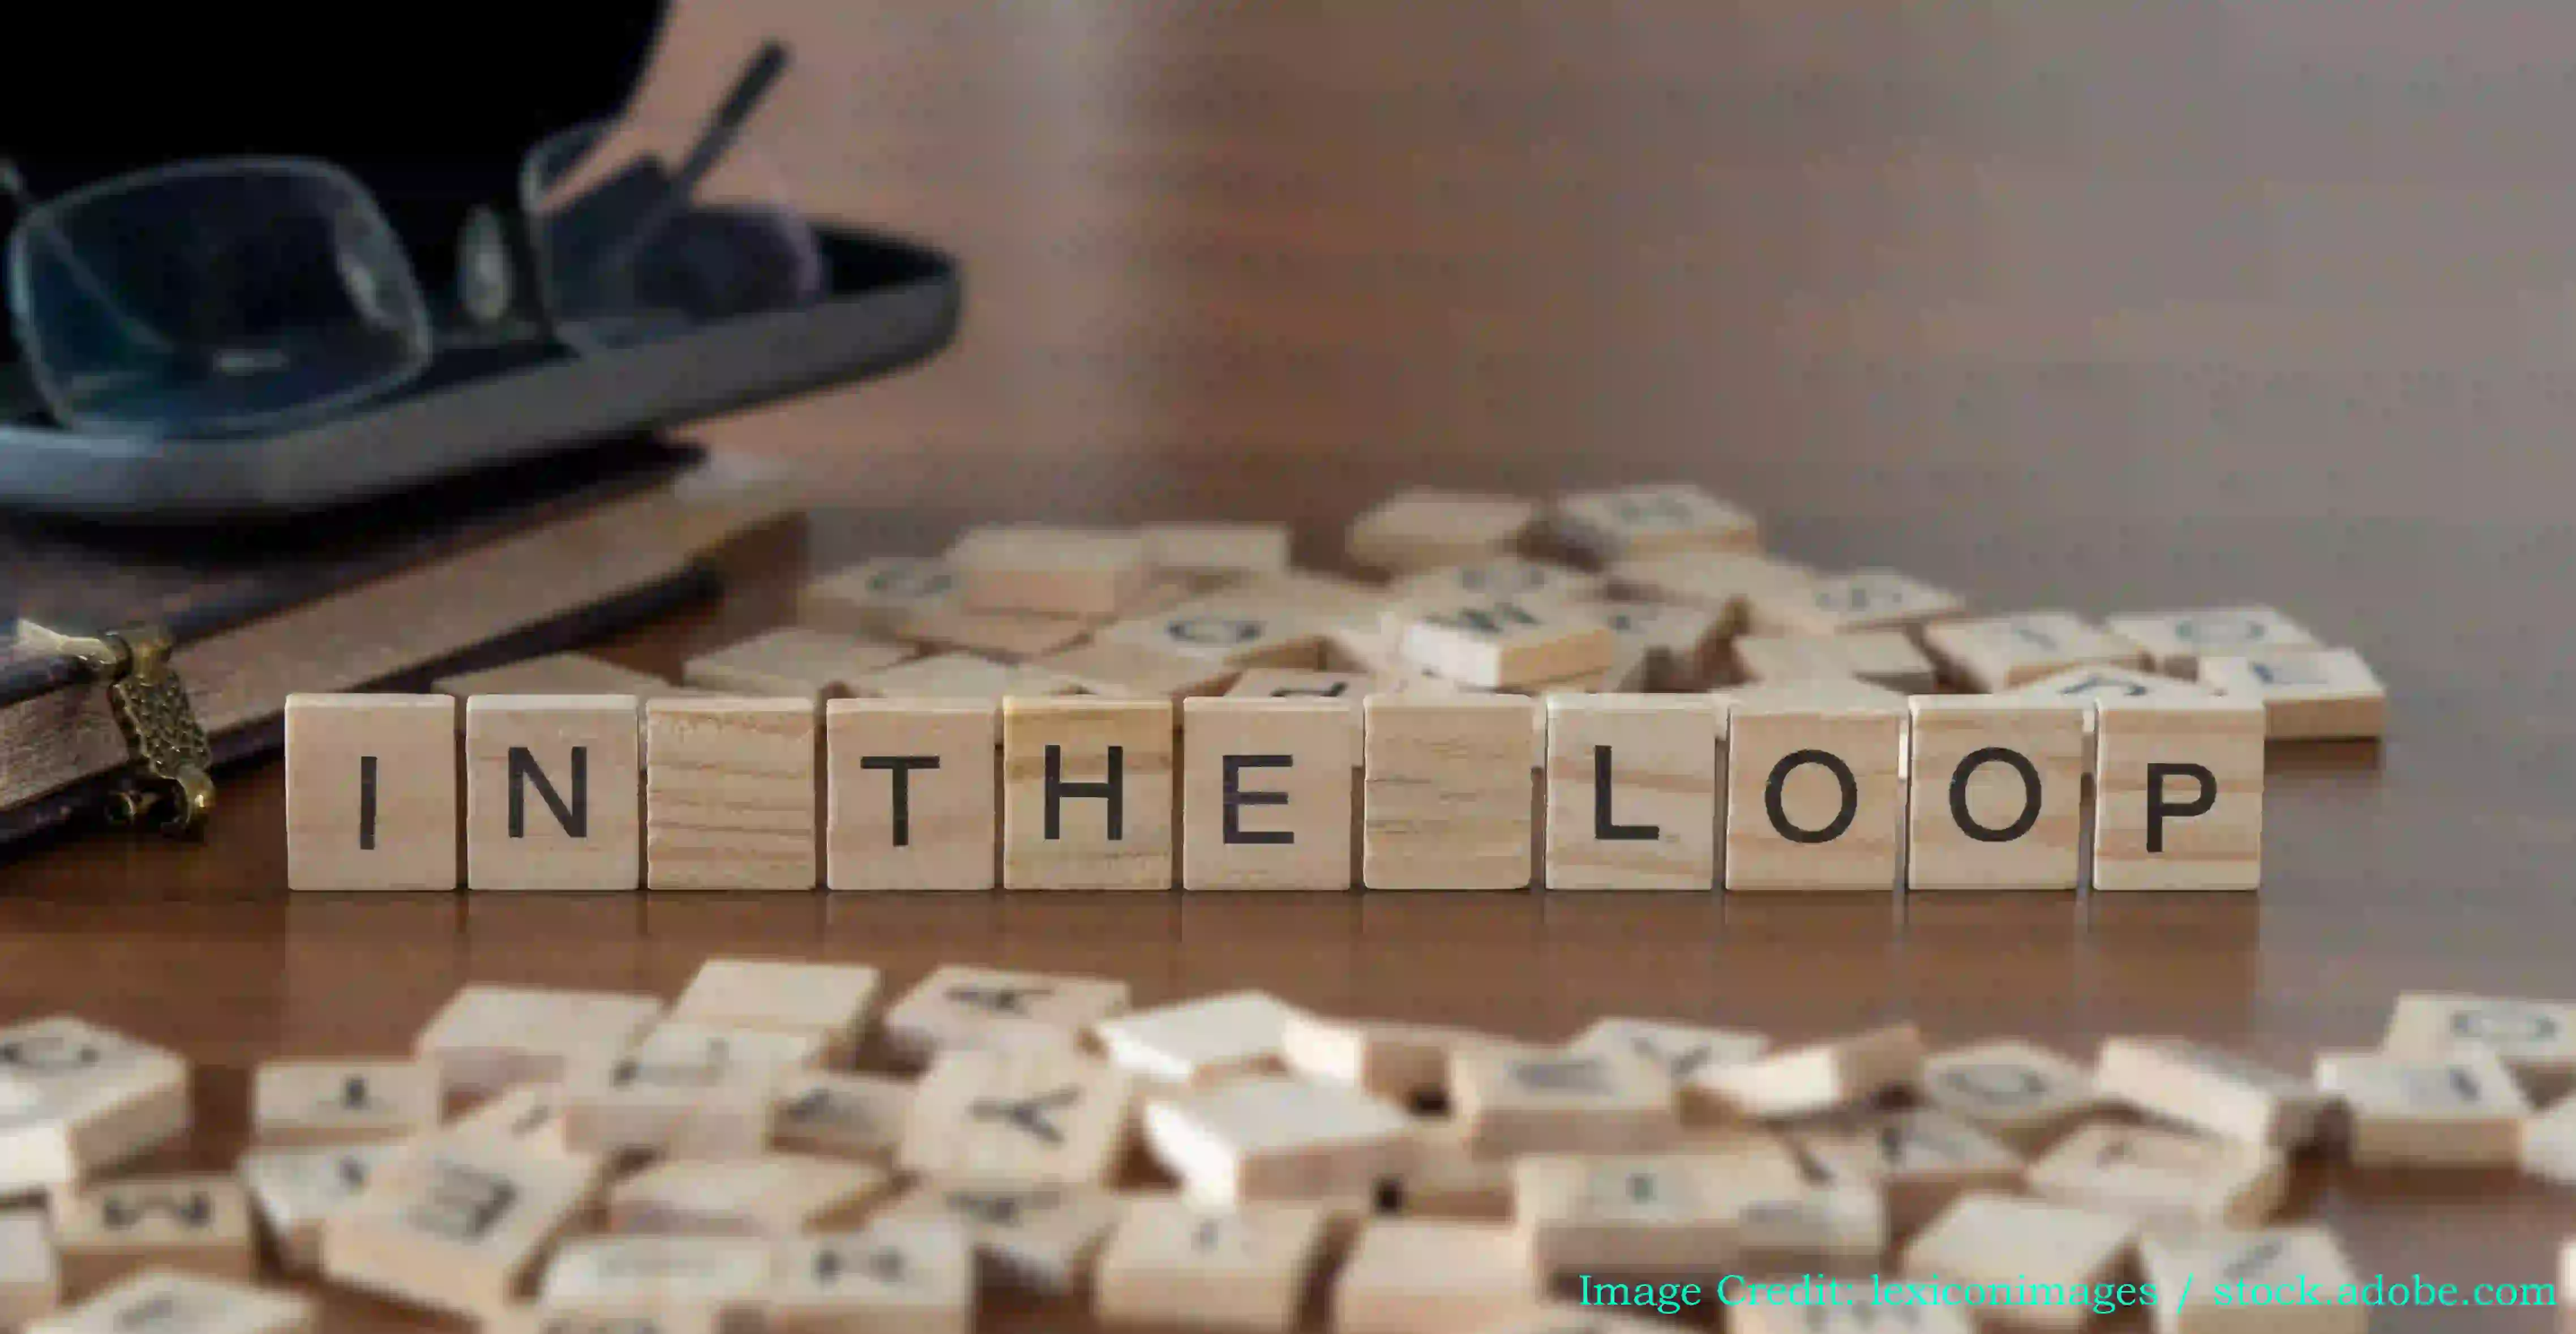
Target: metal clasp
<point x="169" y="785"/>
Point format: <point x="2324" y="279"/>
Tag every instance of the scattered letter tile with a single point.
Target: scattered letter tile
<point x="1036" y="1116"/>
<point x="339" y="1102"/>
<point x="1241" y="1269"/>
<point x="1270" y="1137"/>
<point x="2461" y="1109"/>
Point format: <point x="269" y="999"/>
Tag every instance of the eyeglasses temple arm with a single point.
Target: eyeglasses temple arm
<point x="715" y="138"/>
<point x="14" y="186"/>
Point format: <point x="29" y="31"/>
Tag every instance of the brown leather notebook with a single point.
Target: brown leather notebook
<point x="514" y="561"/>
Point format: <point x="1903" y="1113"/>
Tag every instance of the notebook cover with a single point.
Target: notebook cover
<point x="80" y="579"/>
<point x="359" y="603"/>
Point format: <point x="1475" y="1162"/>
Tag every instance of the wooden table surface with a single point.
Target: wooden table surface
<point x="2430" y="862"/>
<point x="1258" y="262"/>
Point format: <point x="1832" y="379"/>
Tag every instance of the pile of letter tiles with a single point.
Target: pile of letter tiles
<point x="1616" y="690"/>
<point x="769" y="1153"/>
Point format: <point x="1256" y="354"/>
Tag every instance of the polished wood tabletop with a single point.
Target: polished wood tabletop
<point x="1978" y="299"/>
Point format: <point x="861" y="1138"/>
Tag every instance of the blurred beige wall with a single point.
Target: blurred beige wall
<point x="2231" y="257"/>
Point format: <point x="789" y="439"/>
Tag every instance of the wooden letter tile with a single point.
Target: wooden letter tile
<point x="630" y="1318"/>
<point x="1293" y="683"/>
<point x="2001" y="652"/>
<point x="1036" y="1236"/>
<point x="729" y="793"/>
<point x="524" y="1115"/>
<point x="1881" y="657"/>
<point x="341" y="1102"/>
<point x="295" y="1190"/>
<point x="912" y="803"/>
<point x="457" y="1225"/>
<point x="1448" y="1180"/>
<point x="1503" y="641"/>
<point x="1832" y="1229"/>
<point x="791" y="660"/>
<point x="1814" y="796"/>
<point x="1131" y="671"/>
<point x="613" y="1275"/>
<point x="2307" y="694"/>
<point x="1417" y="530"/>
<point x="1815" y="1304"/>
<point x="898" y="1276"/>
<point x="1679" y="1050"/>
<point x="1406" y="1062"/>
<point x="487" y="1038"/>
<point x="1721" y="581"/>
<point x="1561" y="1102"/>
<point x="828" y="1001"/>
<point x="1432" y="1276"/>
<point x="1570" y="1318"/>
<point x="1220" y="550"/>
<point x="1267" y="1137"/>
<point x="31" y="1280"/>
<point x="1175" y="1263"/>
<point x="1448" y="787"/>
<point x="2457" y="1110"/>
<point x="2174" y="640"/>
<point x="2206" y="1282"/>
<point x="962" y="1008"/>
<point x="1996" y="1239"/>
<point x="686" y="1089"/>
<point x="1998" y="793"/>
<point x="1229" y="629"/>
<point x="1308" y="593"/>
<point x="2536" y="1038"/>
<point x="171" y="1301"/>
<point x="1681" y="647"/>
<point x="1629" y="1214"/>
<point x="1034" y="1116"/>
<point x="875" y="597"/>
<point x="1804" y="1081"/>
<point x="2162" y="1176"/>
<point x="1843" y="603"/>
<point x="1200" y="1041"/>
<point x="2178" y="794"/>
<point x="1515" y="578"/>
<point x="370" y="792"/>
<point x="841" y="1115"/>
<point x="1266" y="791"/>
<point x="200" y="1224"/>
<point x="554" y="792"/>
<point x="1010" y="636"/>
<point x="1918" y="1159"/>
<point x="554" y="674"/>
<point x="1087" y="572"/>
<point x="2549" y="1144"/>
<point x="766" y="1195"/>
<point x="77" y="1099"/>
<point x="2091" y="683"/>
<point x="1813" y="692"/>
<point x="2021" y="1094"/>
<point x="1631" y="792"/>
<point x="963" y="676"/>
<point x="1647" y="520"/>
<point x="1087" y="793"/>
<point x="2217" y="1091"/>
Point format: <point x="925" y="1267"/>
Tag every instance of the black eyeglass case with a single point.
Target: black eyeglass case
<point x="891" y="301"/>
